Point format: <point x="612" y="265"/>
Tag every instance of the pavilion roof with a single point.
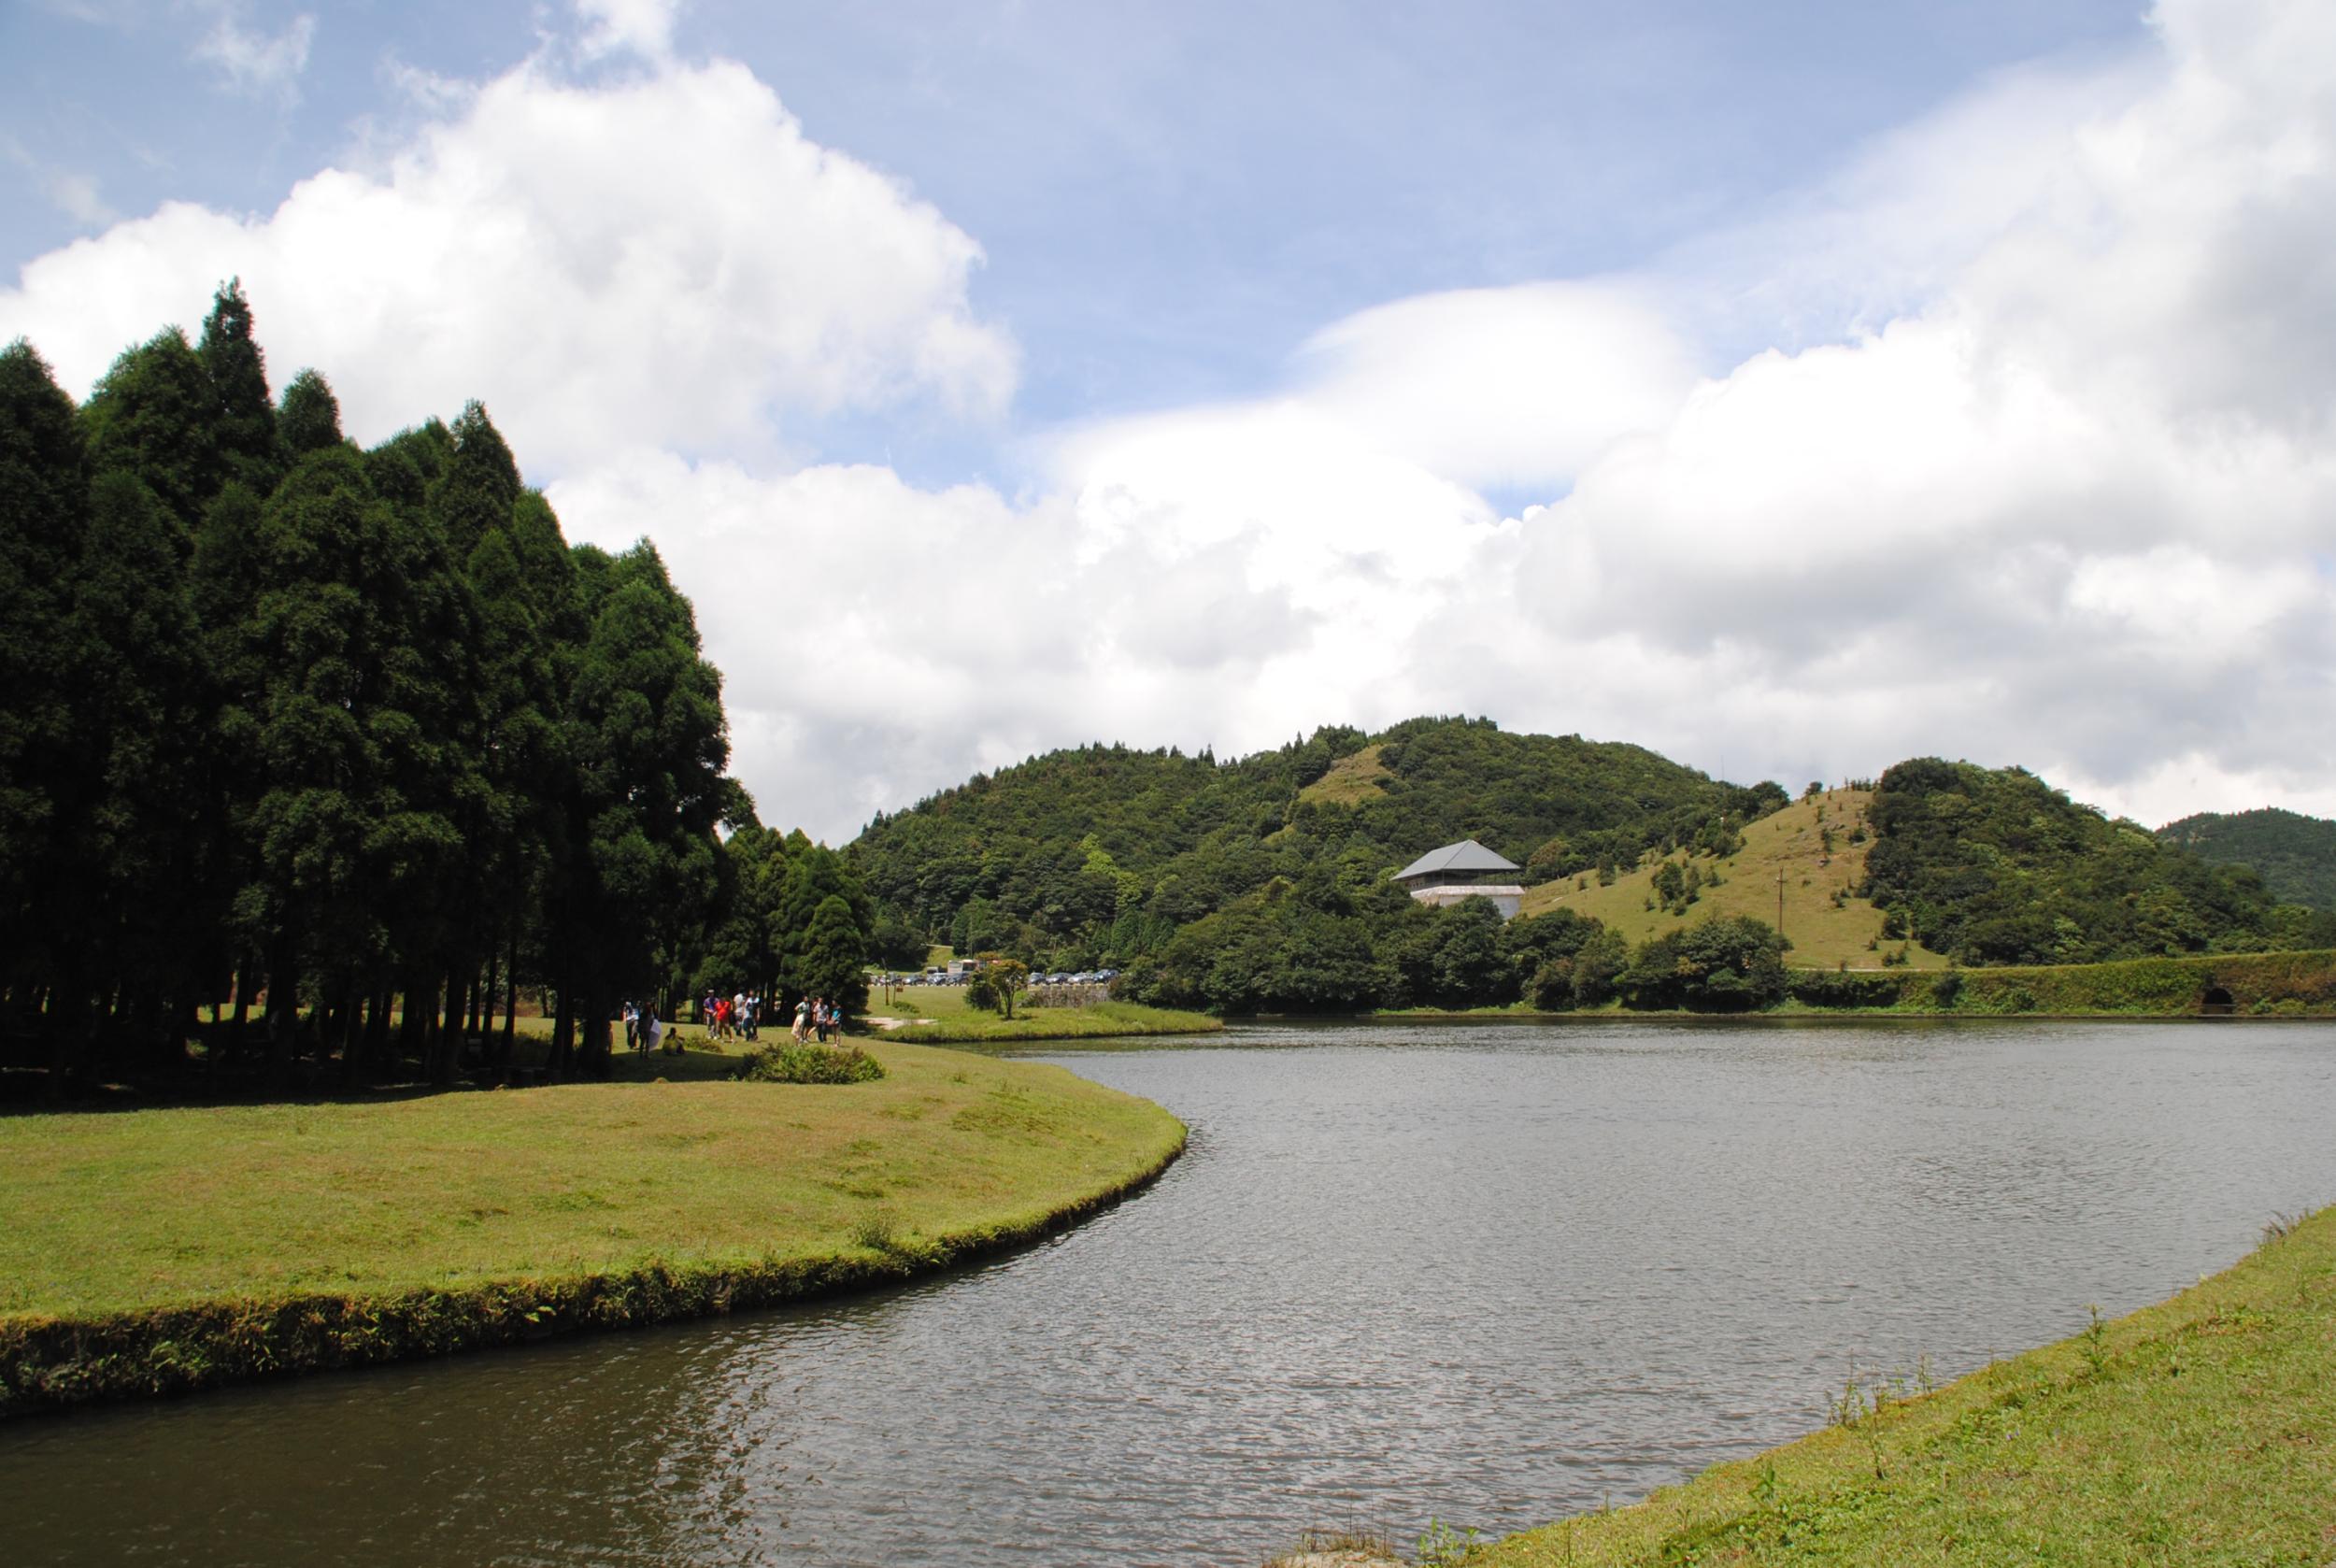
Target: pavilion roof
<point x="1467" y="855"/>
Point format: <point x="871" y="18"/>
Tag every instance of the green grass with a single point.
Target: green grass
<point x="1351" y="780"/>
<point x="709" y="1191"/>
<point x="919" y="1001"/>
<point x="2196" y="1433"/>
<point x="1791" y="842"/>
<point x="1101" y="1019"/>
<point x="2260" y="985"/>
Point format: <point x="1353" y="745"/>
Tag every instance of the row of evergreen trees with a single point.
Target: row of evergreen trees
<point x="353" y="731"/>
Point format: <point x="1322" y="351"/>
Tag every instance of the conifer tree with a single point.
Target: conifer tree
<point x="44" y="516"/>
<point x="309" y="418"/>
<point x="646" y="741"/>
<point x="155" y="414"/>
<point x="243" y="421"/>
<point x="834" y="952"/>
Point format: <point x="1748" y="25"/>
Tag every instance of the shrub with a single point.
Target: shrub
<point x="811" y="1063"/>
<point x="1838" y="987"/>
<point x="1731" y="964"/>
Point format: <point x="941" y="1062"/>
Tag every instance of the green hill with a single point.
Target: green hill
<point x="1996" y="867"/>
<point x="2294" y="854"/>
<point x="1098" y="853"/>
<point x="1261" y="884"/>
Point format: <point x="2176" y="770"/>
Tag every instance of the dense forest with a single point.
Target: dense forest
<point x="1996" y="867"/>
<point x="1103" y="854"/>
<point x="351" y="736"/>
<point x="2294" y="854"/>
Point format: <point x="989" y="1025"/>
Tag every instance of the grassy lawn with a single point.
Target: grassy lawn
<point x="2201" y="1431"/>
<point x="116" y="1215"/>
<point x="1791" y="842"/>
<point x="937" y="1015"/>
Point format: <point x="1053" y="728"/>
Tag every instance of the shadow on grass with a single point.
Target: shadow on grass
<point x="25" y="1091"/>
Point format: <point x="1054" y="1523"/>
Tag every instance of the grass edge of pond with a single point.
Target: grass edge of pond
<point x="2049" y="1442"/>
<point x="1101" y="1021"/>
<point x="51" y="1361"/>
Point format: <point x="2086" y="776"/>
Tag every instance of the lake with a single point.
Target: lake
<point x="1487" y="1272"/>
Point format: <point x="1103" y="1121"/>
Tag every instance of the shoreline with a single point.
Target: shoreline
<point x="1782" y="1016"/>
<point x="50" y="1362"/>
<point x="2047" y="1442"/>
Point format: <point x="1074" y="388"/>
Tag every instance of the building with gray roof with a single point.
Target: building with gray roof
<point x="1464" y="870"/>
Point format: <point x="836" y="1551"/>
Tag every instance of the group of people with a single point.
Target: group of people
<point x="817" y="1015"/>
<point x="731" y="1018"/>
<point x="645" y="1032"/>
<point x="728" y="1018"/>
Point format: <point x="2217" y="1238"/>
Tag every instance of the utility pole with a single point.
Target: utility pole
<point x="1780" y="900"/>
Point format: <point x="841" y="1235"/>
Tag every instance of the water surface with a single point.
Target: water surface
<point x="1490" y="1273"/>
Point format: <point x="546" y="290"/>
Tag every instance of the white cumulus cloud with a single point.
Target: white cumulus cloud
<point x="663" y="262"/>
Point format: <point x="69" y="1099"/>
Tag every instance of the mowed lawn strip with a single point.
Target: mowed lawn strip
<point x="1097" y="1021"/>
<point x="2198" y="1433"/>
<point x="131" y="1211"/>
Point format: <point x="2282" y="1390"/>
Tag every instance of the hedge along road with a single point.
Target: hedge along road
<point x="162" y="1251"/>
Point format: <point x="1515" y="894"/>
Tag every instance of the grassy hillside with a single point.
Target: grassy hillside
<point x="1825" y="919"/>
<point x="2294" y="854"/>
<point x="1350" y="780"/>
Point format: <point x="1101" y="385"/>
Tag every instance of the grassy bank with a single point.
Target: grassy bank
<point x="2262" y="985"/>
<point x="2200" y="1432"/>
<point x="937" y="1015"/>
<point x="2242" y="985"/>
<point x="155" y="1252"/>
<point x="1102" y="1019"/>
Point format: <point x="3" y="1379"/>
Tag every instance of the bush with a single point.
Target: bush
<point x="1729" y="965"/>
<point x="1836" y="988"/>
<point x="811" y="1063"/>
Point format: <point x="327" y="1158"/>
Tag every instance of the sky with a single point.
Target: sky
<point x="1788" y="389"/>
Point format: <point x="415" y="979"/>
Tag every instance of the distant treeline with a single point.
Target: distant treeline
<point x="2294" y="854"/>
<point x="1317" y="947"/>
<point x="354" y="730"/>
<point x="1260" y="885"/>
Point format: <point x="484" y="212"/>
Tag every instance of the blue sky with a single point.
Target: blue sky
<point x="1798" y="388"/>
<point x="1171" y="198"/>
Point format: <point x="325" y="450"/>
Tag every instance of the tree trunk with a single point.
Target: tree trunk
<point x="283" y="1010"/>
<point x="352" y="1032"/>
<point x="510" y="1002"/>
<point x="448" y="1060"/>
<point x="67" y="1025"/>
<point x="377" y="1027"/>
<point x="243" y="1008"/>
<point x="556" y="1063"/>
<point x="596" y="1050"/>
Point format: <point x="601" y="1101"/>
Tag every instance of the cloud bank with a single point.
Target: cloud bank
<point x="2013" y="441"/>
<point x="665" y="261"/>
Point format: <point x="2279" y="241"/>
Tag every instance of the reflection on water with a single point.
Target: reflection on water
<point x="1490" y="1273"/>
